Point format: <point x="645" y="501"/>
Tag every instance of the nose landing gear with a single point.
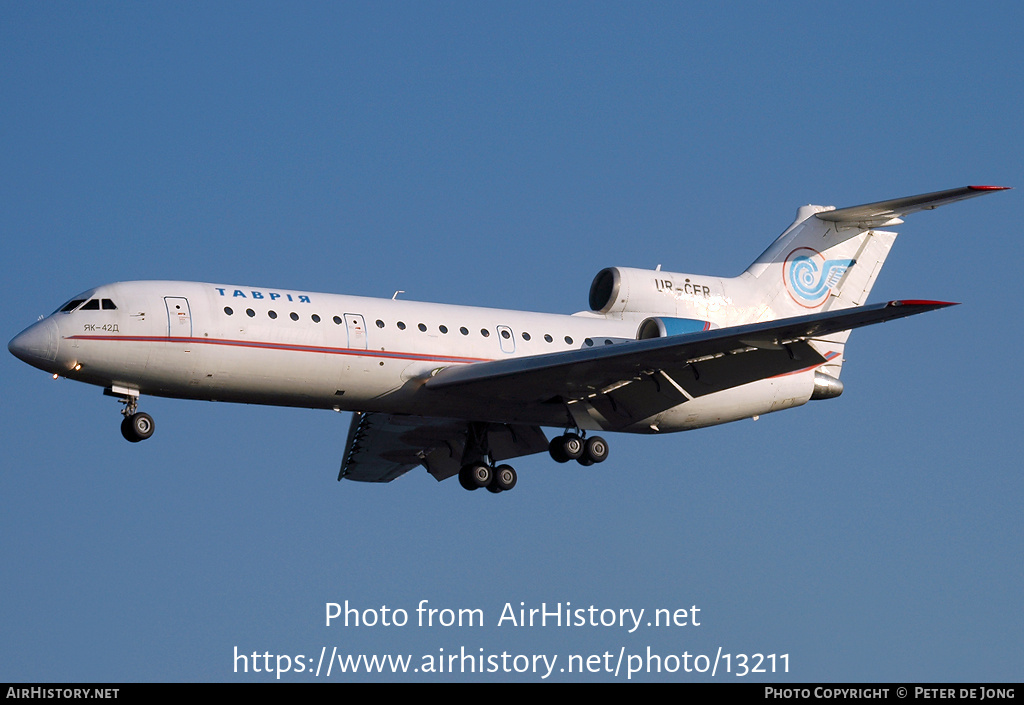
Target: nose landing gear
<point x="136" y="425"/>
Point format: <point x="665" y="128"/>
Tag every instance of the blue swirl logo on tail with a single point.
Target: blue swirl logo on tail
<point x="809" y="277"/>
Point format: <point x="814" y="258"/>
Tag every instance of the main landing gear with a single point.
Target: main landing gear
<point x="478" y="470"/>
<point x="136" y="426"/>
<point x="473" y="476"/>
<point x="585" y="451"/>
<point x="483" y="473"/>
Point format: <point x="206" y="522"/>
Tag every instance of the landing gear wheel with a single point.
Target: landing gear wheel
<point x="505" y="478"/>
<point x="127" y="432"/>
<point x="573" y="445"/>
<point x="556" y="448"/>
<point x="475" y="475"/>
<point x="466" y="478"/>
<point x="566" y="448"/>
<point x="137" y="427"/>
<point x="595" y="450"/>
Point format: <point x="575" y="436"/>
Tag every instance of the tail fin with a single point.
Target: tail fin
<point x="829" y="259"/>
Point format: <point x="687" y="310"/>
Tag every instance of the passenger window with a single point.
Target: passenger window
<point x="294" y="316"/>
<point x="464" y="330"/>
<point x="92" y="305"/>
<point x="272" y="314"/>
<point x="526" y="336"/>
<point x="505" y="334"/>
<point x="568" y="340"/>
<point x="589" y="342"/>
<point x="316" y="318"/>
<point x="337" y="319"/>
<point x="228" y="310"/>
<point x="423" y="328"/>
<point x="484" y="332"/>
<point x="380" y="323"/>
<point x="547" y="337"/>
<point x="401" y="325"/>
<point x="249" y="312"/>
<point x="443" y="329"/>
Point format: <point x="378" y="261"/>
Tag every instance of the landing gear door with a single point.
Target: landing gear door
<point x="356" y="327"/>
<point x="179" y="317"/>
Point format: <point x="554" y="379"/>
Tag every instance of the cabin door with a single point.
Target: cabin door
<point x="179" y="317"/>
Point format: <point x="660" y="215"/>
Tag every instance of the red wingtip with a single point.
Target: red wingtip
<point x="923" y="302"/>
<point x="990" y="188"/>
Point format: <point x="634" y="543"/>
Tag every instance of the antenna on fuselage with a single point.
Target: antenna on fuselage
<point x="400" y="291"/>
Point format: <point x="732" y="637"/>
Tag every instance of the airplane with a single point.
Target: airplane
<point x="460" y="389"/>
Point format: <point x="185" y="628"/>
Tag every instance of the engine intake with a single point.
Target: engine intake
<point x="664" y="327"/>
<point x="618" y="290"/>
<point x="604" y="290"/>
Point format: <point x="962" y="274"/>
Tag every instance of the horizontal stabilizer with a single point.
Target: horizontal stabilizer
<point x="889" y="212"/>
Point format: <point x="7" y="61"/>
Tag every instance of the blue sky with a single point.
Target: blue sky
<point x="501" y="154"/>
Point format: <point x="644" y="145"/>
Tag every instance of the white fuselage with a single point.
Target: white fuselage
<point x="272" y="346"/>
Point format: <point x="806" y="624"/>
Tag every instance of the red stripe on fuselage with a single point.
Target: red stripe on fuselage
<point x="358" y="352"/>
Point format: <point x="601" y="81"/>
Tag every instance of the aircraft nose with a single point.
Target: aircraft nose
<point x="37" y="344"/>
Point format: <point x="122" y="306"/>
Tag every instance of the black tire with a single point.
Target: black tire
<point x="127" y="431"/>
<point x="596" y="449"/>
<point x="137" y="427"/>
<point x="466" y="477"/>
<point x="480" y="474"/>
<point x="142" y="425"/>
<point x="505" y="477"/>
<point x="556" y="448"/>
<point x="573" y="445"/>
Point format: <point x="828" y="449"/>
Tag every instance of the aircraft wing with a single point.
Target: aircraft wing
<point x="382" y="447"/>
<point x="631" y="381"/>
<point x="625" y="382"/>
<point x="889" y="212"/>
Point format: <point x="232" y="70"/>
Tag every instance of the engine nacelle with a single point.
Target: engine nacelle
<point x="664" y="327"/>
<point x="618" y="290"/>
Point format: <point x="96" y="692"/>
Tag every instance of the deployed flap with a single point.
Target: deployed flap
<point x="717" y="359"/>
<point x="889" y="212"/>
<point x="382" y="447"/>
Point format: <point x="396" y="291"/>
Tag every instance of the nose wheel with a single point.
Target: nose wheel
<point x="136" y="425"/>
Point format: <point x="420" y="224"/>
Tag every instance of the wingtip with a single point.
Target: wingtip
<point x="924" y="302"/>
<point x="990" y="188"/>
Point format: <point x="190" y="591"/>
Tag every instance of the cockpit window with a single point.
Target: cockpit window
<point x="108" y="305"/>
<point x="70" y="306"/>
<point x="92" y="305"/>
